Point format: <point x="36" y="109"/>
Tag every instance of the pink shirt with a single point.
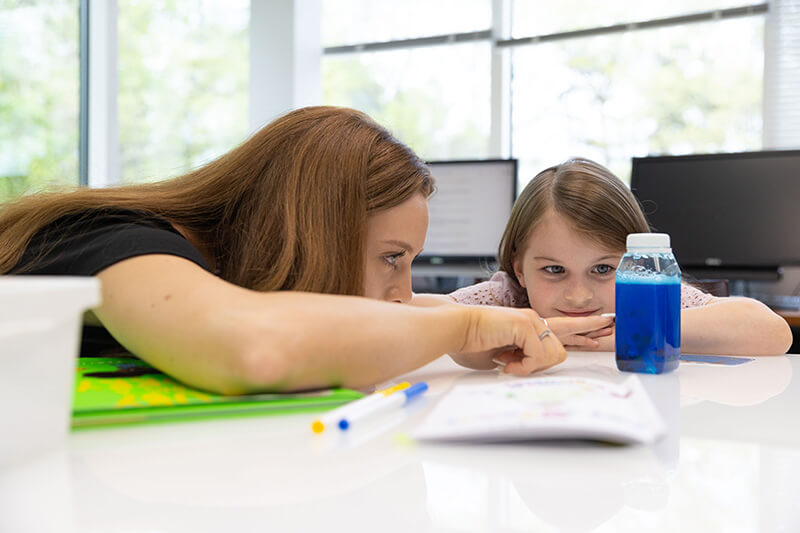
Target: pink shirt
<point x="502" y="290"/>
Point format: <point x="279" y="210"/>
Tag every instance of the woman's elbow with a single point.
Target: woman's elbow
<point x="247" y="367"/>
<point x="249" y="356"/>
<point x="258" y="369"/>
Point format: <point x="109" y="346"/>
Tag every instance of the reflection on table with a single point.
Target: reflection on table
<point x="731" y="462"/>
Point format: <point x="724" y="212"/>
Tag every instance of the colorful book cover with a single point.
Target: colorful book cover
<point x="125" y="390"/>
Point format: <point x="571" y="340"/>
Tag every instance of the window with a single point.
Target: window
<point x="658" y="85"/>
<point x="183" y="74"/>
<point x="434" y="99"/>
<point x="39" y="98"/>
<point x="363" y="21"/>
<point x="541" y="17"/>
<point x="434" y="73"/>
<point x="673" y="90"/>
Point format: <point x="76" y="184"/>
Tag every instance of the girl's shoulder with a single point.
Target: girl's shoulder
<point x="501" y="290"/>
<point x="693" y="297"/>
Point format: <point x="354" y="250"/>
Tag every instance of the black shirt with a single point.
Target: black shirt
<point x="86" y="243"/>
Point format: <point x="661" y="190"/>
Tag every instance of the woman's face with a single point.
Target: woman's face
<point x="395" y="236"/>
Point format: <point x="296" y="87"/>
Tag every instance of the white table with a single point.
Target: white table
<point x="731" y="462"/>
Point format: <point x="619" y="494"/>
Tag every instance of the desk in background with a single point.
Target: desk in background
<point x="731" y="462"/>
<point x="792" y="317"/>
<point x="446" y="278"/>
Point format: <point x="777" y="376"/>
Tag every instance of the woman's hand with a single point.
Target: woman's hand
<point x="584" y="333"/>
<point x="514" y="337"/>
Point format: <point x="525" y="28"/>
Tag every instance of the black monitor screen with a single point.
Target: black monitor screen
<point x="470" y="209"/>
<point x="724" y="210"/>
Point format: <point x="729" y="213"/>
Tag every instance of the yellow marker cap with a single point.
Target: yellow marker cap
<point x="391" y="390"/>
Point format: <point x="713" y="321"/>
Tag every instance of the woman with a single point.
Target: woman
<point x="244" y="275"/>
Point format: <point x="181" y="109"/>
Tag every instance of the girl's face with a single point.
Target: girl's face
<point x="564" y="273"/>
<point x="395" y="236"/>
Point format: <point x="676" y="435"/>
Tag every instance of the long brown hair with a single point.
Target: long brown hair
<point x="285" y="210"/>
<point x="596" y="202"/>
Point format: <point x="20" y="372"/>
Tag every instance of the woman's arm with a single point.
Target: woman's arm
<point x="735" y="326"/>
<point x="431" y="300"/>
<point x="217" y="336"/>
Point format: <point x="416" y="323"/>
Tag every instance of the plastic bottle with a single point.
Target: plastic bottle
<point x="648" y="306"/>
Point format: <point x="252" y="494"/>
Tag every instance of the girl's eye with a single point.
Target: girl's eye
<point x="554" y="269"/>
<point x="603" y="269"/>
<point x="392" y="259"/>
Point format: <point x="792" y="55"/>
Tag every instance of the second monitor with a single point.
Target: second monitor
<point x="469" y="211"/>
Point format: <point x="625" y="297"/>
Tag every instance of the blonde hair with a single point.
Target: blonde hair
<point x="596" y="202"/>
<point x="285" y="210"/>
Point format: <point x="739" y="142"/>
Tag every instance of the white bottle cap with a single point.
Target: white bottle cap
<point x="647" y="240"/>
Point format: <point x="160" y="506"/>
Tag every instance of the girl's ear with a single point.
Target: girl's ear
<point x="517" y="264"/>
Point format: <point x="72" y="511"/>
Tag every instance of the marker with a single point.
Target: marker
<point x="331" y="417"/>
<point x="385" y="403"/>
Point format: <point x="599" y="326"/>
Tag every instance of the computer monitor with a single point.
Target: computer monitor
<point x="469" y="211"/>
<point x="729" y="215"/>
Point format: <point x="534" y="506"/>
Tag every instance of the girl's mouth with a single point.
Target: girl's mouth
<point x="578" y="313"/>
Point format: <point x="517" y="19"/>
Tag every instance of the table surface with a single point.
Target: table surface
<point x="730" y="462"/>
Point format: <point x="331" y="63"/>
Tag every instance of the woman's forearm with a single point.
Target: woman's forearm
<point x="295" y="341"/>
<point x="736" y="326"/>
<point x="302" y="340"/>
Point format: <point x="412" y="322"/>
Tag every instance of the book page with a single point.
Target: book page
<point x="545" y="408"/>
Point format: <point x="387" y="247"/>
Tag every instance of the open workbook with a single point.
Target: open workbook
<point x="124" y="390"/>
<point x="545" y="408"/>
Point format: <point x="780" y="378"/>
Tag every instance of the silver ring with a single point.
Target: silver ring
<point x="545" y="323"/>
<point x="544" y="334"/>
<point x="499" y="363"/>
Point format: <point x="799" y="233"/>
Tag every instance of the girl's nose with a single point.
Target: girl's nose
<point x="578" y="295"/>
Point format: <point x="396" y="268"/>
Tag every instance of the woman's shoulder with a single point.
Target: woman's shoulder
<point x="86" y="242"/>
<point x="501" y="289"/>
<point x="109" y="217"/>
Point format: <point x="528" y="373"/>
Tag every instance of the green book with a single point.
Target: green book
<point x="125" y="390"/>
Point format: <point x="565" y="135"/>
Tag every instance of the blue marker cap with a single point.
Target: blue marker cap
<point x="389" y="402"/>
<point x="415" y="390"/>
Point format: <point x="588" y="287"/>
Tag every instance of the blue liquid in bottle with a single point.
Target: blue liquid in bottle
<point x="648" y="328"/>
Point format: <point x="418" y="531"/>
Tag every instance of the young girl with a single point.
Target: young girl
<point x="559" y="253"/>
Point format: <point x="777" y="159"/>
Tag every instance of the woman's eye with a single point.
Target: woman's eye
<point x="392" y="259"/>
<point x="554" y="269"/>
<point x="603" y="269"/>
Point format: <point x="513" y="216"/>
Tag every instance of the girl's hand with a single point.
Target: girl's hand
<point x="583" y="333"/>
<point x="606" y="343"/>
<point x="514" y="337"/>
